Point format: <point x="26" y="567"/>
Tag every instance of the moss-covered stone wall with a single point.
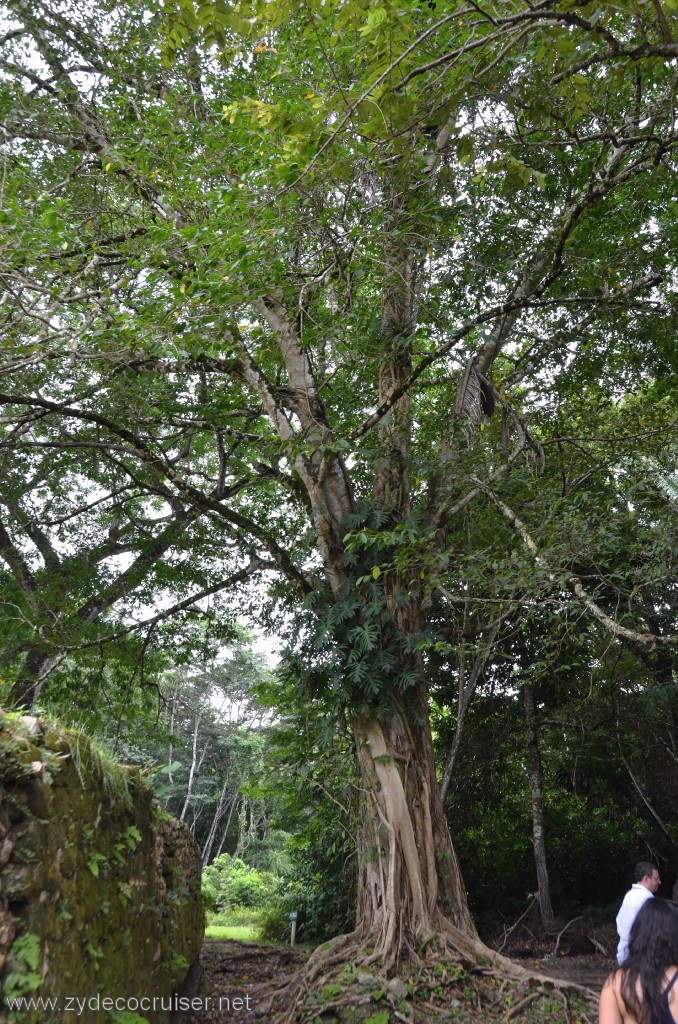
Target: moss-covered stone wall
<point x="99" y="889"/>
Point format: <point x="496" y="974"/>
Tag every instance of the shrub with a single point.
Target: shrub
<point x="325" y="906"/>
<point x="229" y="883"/>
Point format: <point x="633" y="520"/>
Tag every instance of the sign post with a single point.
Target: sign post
<point x="293" y="934"/>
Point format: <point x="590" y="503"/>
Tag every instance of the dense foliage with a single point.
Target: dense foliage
<point x="228" y="882"/>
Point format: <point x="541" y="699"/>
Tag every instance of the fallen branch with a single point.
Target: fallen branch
<point x="563" y="930"/>
<point x="533" y="896"/>
<point x="600" y="947"/>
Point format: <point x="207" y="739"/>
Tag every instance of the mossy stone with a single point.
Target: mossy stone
<point x="109" y="924"/>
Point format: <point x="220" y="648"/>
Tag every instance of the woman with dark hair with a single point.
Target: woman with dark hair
<point x="644" y="989"/>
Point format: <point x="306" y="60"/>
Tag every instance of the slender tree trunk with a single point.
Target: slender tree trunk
<point x="468" y="683"/>
<point x="234" y="804"/>
<point x="197" y="814"/>
<point x="536" y="789"/>
<point x="242" y="828"/>
<point x="195" y="765"/>
<point x="171" y="727"/>
<point x="218" y="815"/>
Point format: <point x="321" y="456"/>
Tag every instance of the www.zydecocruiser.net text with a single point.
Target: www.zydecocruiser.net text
<point x="133" y="1004"/>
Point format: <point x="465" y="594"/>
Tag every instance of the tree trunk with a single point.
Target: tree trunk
<point x="410" y="887"/>
<point x="242" y="828"/>
<point x="467" y="687"/>
<point x="36" y="667"/>
<point x="195" y="764"/>
<point x="410" y="883"/>
<point x="218" y="815"/>
<point x="171" y="728"/>
<point x="224" y="834"/>
<point x="536" y="788"/>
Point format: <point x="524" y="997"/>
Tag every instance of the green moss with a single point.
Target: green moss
<point x="62" y="911"/>
<point x="102" y="917"/>
<point x="93" y="759"/>
<point x="15" y="766"/>
<point x="331" y="991"/>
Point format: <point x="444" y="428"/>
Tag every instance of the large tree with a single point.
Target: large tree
<point x="290" y="267"/>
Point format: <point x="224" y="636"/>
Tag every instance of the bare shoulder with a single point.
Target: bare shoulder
<point x="672" y="996"/>
<point x="611" y="1007"/>
<point x="613" y="981"/>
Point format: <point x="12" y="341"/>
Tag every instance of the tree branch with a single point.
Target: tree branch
<point x="618" y="630"/>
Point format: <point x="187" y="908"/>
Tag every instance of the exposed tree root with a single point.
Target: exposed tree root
<point x="515" y="1010"/>
<point x="349" y="972"/>
<point x="406" y="947"/>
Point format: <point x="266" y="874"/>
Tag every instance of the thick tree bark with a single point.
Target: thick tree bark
<point x="536" y="791"/>
<point x="410" y="883"/>
<point x="410" y="886"/>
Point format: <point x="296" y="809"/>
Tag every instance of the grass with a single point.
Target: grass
<point x="241" y="932"/>
<point x="241" y="923"/>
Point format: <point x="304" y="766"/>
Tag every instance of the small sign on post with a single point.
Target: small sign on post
<point x="293" y="934"/>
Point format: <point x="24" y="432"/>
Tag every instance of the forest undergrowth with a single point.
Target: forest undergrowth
<point x="248" y="979"/>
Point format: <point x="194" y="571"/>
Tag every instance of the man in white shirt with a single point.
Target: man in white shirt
<point x="646" y="884"/>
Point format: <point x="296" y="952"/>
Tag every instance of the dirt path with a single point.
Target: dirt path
<point x="590" y="971"/>
<point x="239" y="977"/>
